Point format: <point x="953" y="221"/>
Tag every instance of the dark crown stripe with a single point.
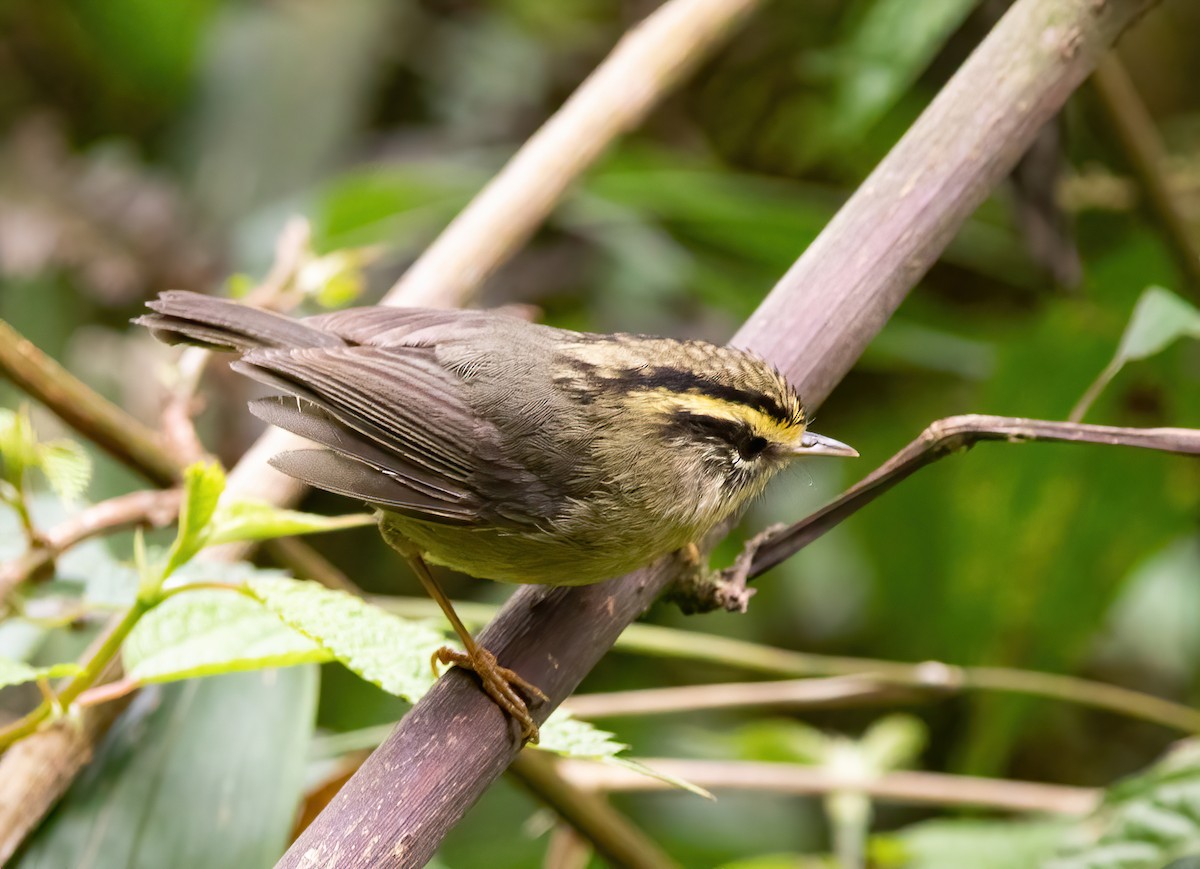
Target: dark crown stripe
<point x="682" y="381"/>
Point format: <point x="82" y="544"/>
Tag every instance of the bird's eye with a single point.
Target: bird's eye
<point x="753" y="447"/>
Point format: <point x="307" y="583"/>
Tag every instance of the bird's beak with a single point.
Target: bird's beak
<point x="813" y="444"/>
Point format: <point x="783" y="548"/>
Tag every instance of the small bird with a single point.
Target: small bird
<point x="509" y="450"/>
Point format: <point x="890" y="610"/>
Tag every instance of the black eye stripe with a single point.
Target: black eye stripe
<point x="736" y="434"/>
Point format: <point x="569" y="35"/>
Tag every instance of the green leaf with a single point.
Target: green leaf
<point x="570" y="737"/>
<point x="890" y="46"/>
<point x="206" y="632"/>
<point x="67" y="466"/>
<point x="780" y="741"/>
<point x="238" y="285"/>
<point x="893" y="742"/>
<point x="384" y="649"/>
<point x="1145" y="822"/>
<point x="16" y="673"/>
<point x="258" y="520"/>
<point x="205" y="774"/>
<point x="203" y="483"/>
<point x="336" y="279"/>
<point x="1155" y="623"/>
<point x="18" y="445"/>
<point x="952" y="844"/>
<point x="1159" y="319"/>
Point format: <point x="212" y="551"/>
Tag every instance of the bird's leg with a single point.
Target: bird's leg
<point x="500" y="683"/>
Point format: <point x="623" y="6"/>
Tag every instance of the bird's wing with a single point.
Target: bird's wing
<point x="401" y="434"/>
<point x="358" y="466"/>
<point x="392" y="327"/>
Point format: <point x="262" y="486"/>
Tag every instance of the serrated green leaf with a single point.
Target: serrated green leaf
<point x="384" y="649"/>
<point x="566" y="735"/>
<point x="562" y="734"/>
<point x="258" y="520"/>
<point x="1158" y="320"/>
<point x="1146" y="821"/>
<point x="207" y="632"/>
<point x="16" y="672"/>
<point x="203" y="483"/>
<point x="67" y="466"/>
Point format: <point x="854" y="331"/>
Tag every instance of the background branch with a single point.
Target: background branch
<point x="808" y="693"/>
<point x="814" y="325"/>
<point x="1142" y="146"/>
<point x="153" y="508"/>
<point x="920" y="788"/>
<point x="589" y="813"/>
<point x="79" y="406"/>
<point x="650" y="60"/>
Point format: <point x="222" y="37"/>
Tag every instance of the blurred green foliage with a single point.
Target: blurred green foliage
<point x="151" y="144"/>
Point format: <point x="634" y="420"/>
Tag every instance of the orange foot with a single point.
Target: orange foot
<point x="500" y="683"/>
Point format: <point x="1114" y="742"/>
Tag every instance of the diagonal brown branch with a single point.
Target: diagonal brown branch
<point x="813" y="326"/>
<point x="610" y="832"/>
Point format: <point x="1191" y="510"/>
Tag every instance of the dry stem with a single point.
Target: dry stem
<point x="920" y="788"/>
<point x="154" y="508"/>
<point x="940" y="439"/>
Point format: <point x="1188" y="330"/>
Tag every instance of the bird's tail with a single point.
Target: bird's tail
<point x="181" y="317"/>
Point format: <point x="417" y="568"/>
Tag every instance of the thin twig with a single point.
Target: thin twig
<point x="566" y="849"/>
<point x="85" y="410"/>
<point x="943" y="438"/>
<point x="99" y="663"/>
<point x="805" y="693"/>
<point x="609" y="832"/>
<point x="305" y="562"/>
<point x="920" y="788"/>
<point x="927" y="675"/>
<point x="1139" y="140"/>
<point x="154" y="508"/>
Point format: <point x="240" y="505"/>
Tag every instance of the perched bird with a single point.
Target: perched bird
<point x="509" y="450"/>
